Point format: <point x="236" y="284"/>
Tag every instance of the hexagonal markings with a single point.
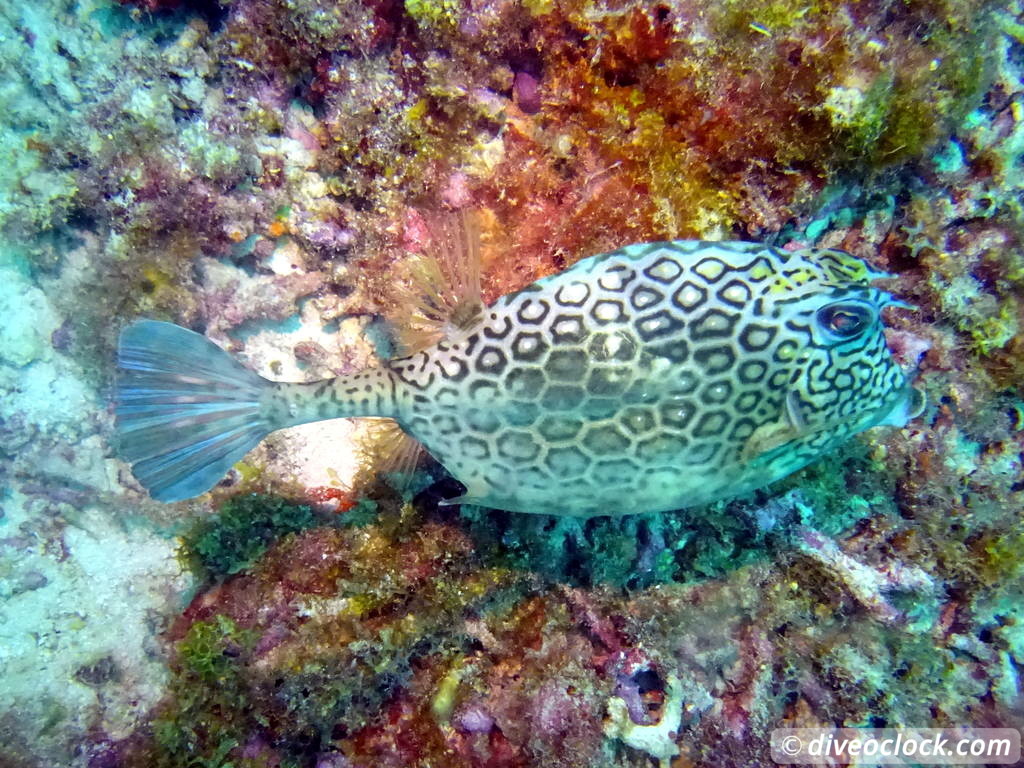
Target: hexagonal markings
<point x="447" y="397"/>
<point x="752" y="371"/>
<point x="533" y="311"/>
<point x="474" y="449"/>
<point x="483" y="392"/>
<point x="482" y="420"/>
<point x="701" y="453"/>
<point x="664" y="270"/>
<point x="529" y="346"/>
<point x="453" y="368"/>
<point x="638" y="420"/>
<point x="445" y="424"/>
<point x="568" y="329"/>
<point x="760" y="269"/>
<point x="567" y="365"/>
<point x="417" y="425"/>
<point x="711" y="268"/>
<point x="499" y="331"/>
<point x="786" y="351"/>
<point x="533" y="478"/>
<point x="517" y="445"/>
<point x="617" y="469"/>
<point x="503" y="482"/>
<point x="714" y="360"/>
<point x="608" y="311"/>
<point x="491" y="361"/>
<point x="658" y="324"/>
<point x="662" y="448"/>
<point x="644" y="296"/>
<point x="713" y="324"/>
<point x="596" y="408"/>
<point x="616" y="278"/>
<point x="618" y="346"/>
<point x="609" y="381"/>
<point x="575" y="294"/>
<point x="567" y="462"/>
<point x="735" y="293"/>
<point x="716" y="392"/>
<point x="605" y="440"/>
<point x="711" y="424"/>
<point x="525" y="382"/>
<point x="675" y="351"/>
<point x="640" y="391"/>
<point x="685" y="383"/>
<point x="519" y="413"/>
<point x="676" y="413"/>
<point x="741" y="430"/>
<point x="755" y="338"/>
<point x="689" y="296"/>
<point x="556" y="428"/>
<point x="562" y="397"/>
<point x="748" y="401"/>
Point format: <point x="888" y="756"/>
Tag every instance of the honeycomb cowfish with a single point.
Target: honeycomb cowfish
<point x="655" y="377"/>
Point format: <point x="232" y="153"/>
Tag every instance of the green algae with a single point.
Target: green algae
<point x="241" y="533"/>
<point x="699" y="544"/>
<point x="201" y="652"/>
<point x="206" y="715"/>
<point x="369" y="618"/>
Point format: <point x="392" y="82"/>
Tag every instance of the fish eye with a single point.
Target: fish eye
<point x="845" y="320"/>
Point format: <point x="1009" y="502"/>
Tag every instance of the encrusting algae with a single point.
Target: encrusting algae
<point x="655" y="377"/>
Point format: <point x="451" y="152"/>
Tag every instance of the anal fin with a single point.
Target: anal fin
<point x="385" y="448"/>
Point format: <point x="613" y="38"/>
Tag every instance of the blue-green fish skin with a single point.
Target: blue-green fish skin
<point x="656" y="377"/>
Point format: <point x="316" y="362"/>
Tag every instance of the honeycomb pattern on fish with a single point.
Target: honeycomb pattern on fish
<point x="655" y="377"/>
<point x="640" y="380"/>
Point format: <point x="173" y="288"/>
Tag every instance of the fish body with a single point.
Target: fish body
<point x="655" y="377"/>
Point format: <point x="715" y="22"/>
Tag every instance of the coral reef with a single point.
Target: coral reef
<point x="261" y="171"/>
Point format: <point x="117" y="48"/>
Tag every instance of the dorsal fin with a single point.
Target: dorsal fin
<point x="440" y="293"/>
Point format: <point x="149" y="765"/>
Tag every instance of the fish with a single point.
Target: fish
<point x="655" y="377"/>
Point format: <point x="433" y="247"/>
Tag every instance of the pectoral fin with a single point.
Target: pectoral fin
<point x="776" y="434"/>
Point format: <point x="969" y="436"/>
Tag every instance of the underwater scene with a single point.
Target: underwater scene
<point x="497" y="384"/>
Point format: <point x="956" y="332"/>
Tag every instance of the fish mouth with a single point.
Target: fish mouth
<point x="909" y="406"/>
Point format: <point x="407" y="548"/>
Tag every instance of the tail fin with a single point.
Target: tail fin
<point x="186" y="411"/>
